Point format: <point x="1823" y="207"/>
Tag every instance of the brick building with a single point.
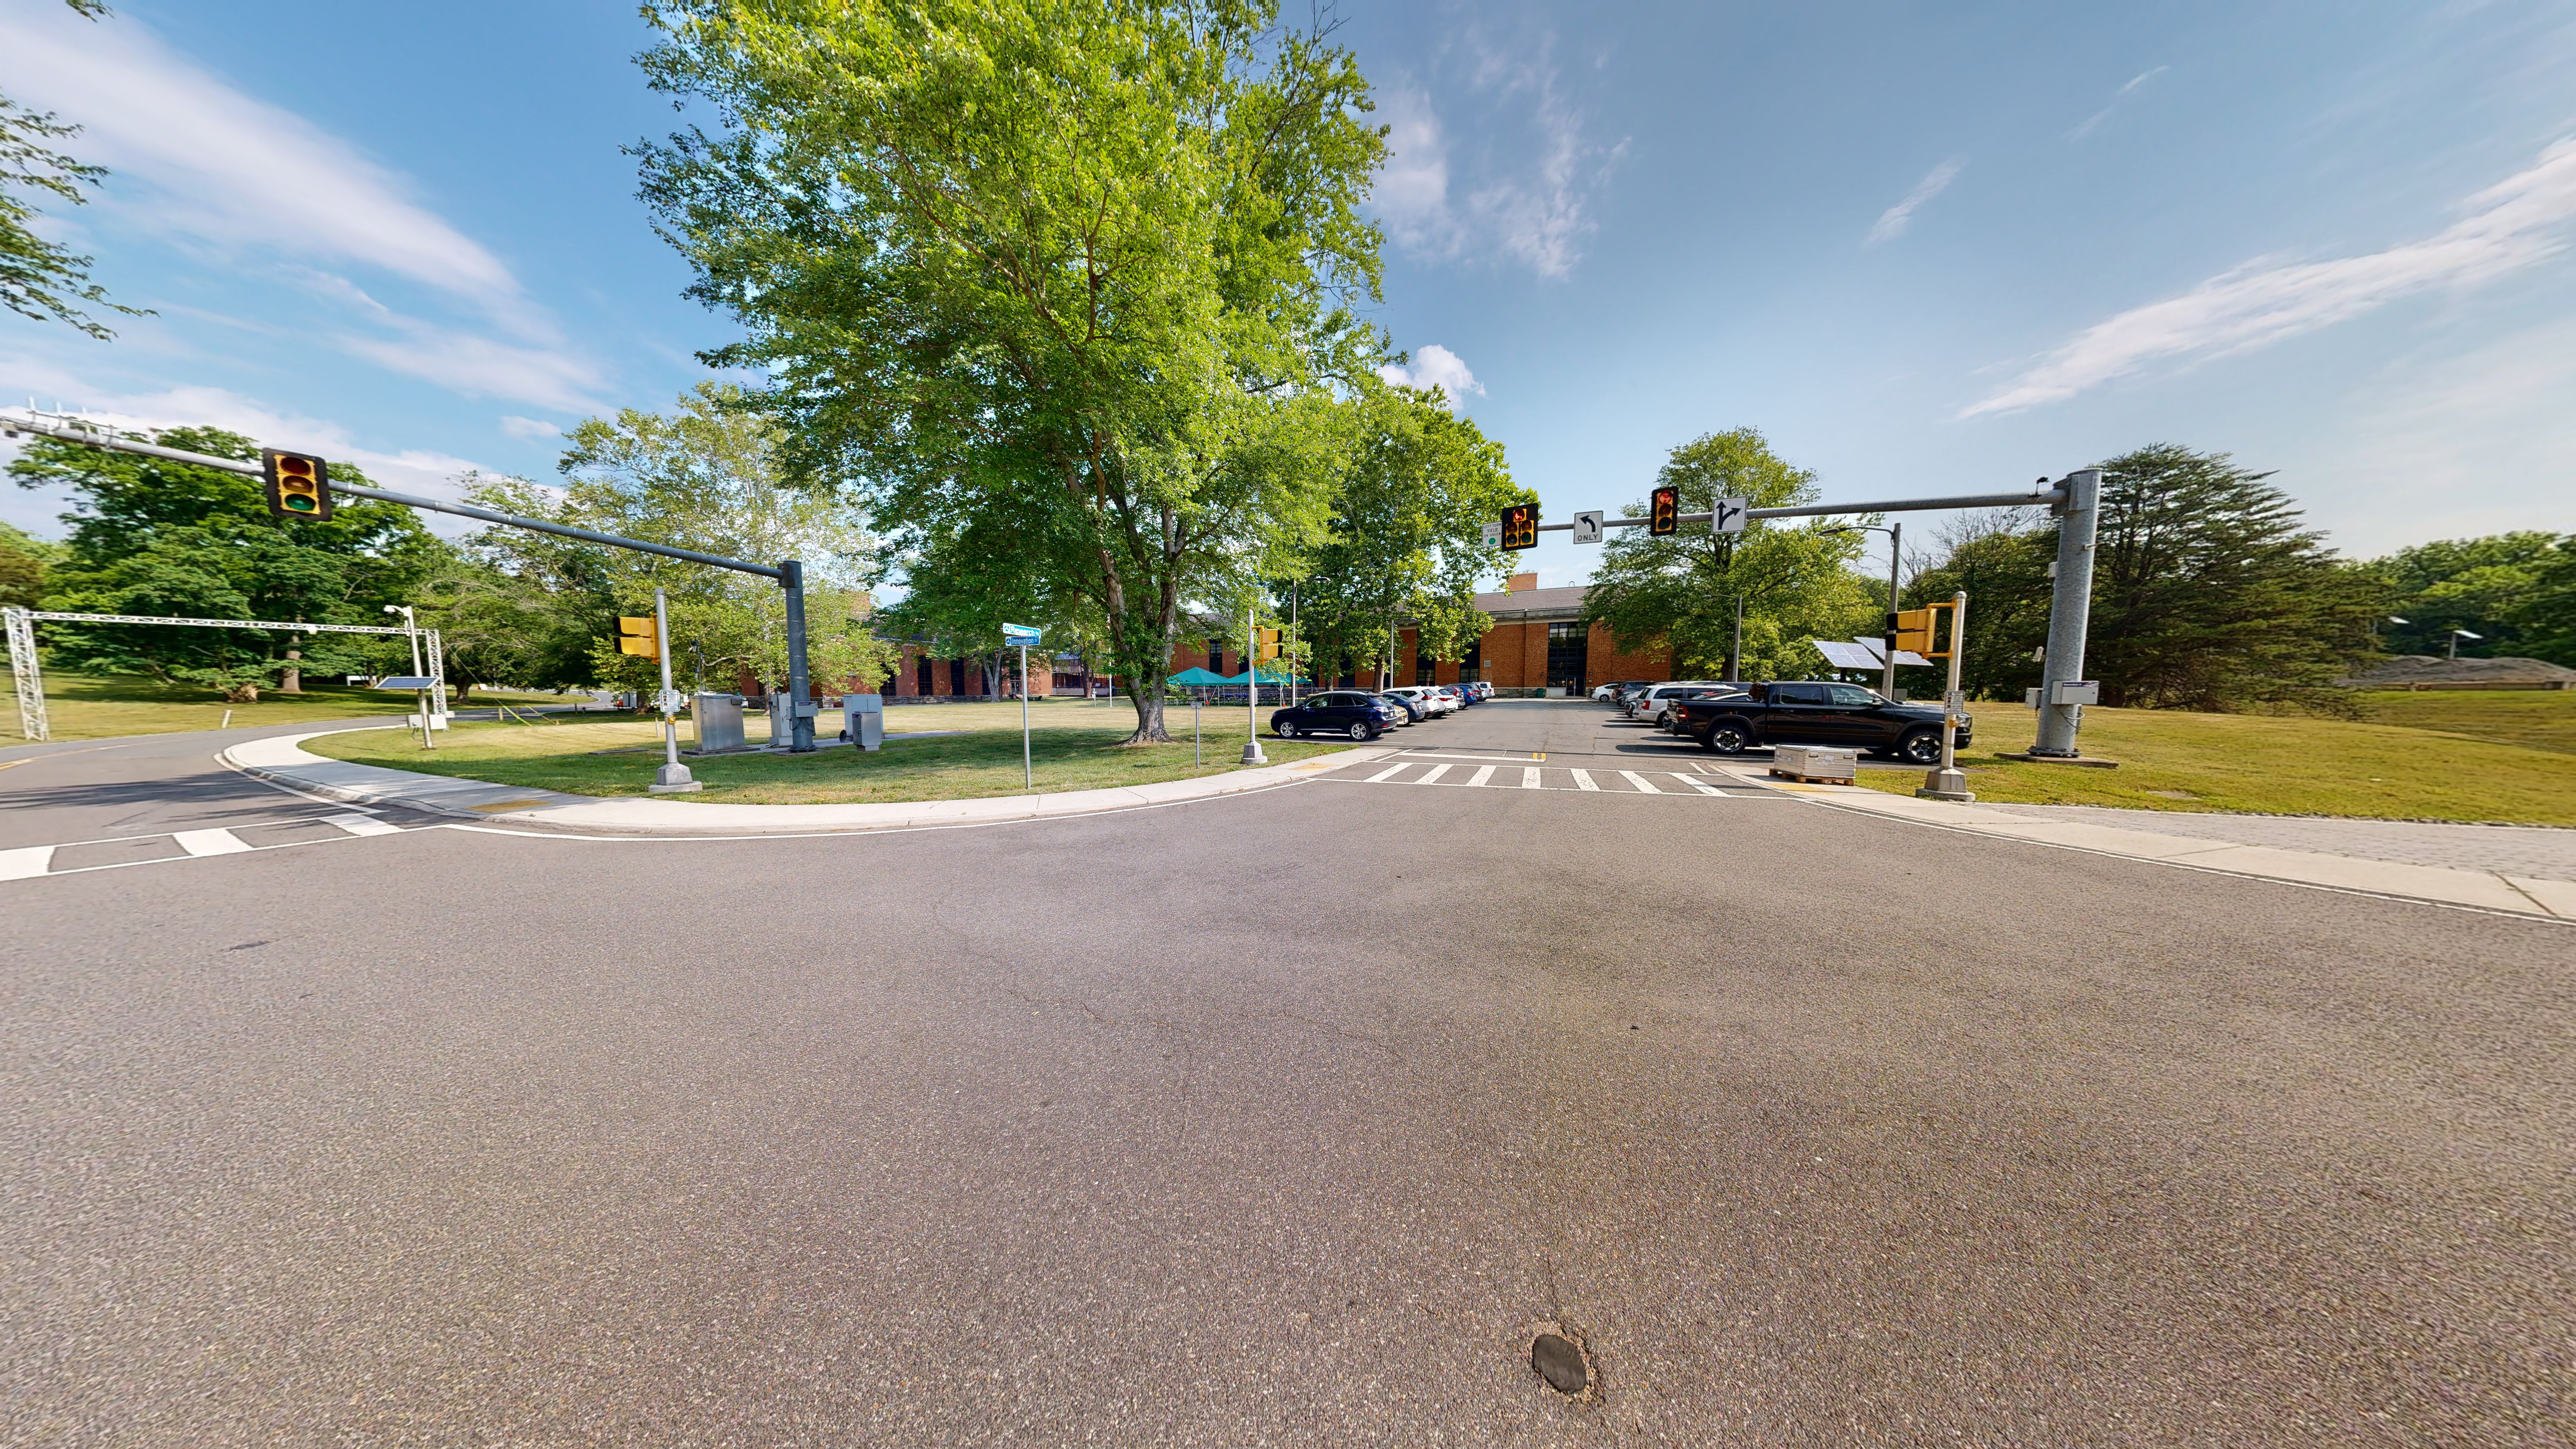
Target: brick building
<point x="1536" y="642"/>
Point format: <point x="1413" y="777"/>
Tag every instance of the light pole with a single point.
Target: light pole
<point x="420" y="697"/>
<point x="2453" y="652"/>
<point x="1895" y="564"/>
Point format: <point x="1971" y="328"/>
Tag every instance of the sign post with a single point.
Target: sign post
<point x="1947" y="783"/>
<point x="1252" y="687"/>
<point x="673" y="778"/>
<point x="1023" y="635"/>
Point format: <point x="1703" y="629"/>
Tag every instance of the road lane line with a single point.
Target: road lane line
<point x="363" y="824"/>
<point x="1390" y="771"/>
<point x="1696" y="785"/>
<point x="1583" y="780"/>
<point x="1481" y="776"/>
<point x="1529" y="778"/>
<point x="1643" y="786"/>
<point x="210" y="842"/>
<point x="25" y="862"/>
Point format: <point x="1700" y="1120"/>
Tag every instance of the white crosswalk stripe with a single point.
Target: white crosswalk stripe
<point x="1483" y="773"/>
<point x="1681" y="785"/>
<point x="1529" y="778"/>
<point x="1391" y="771"/>
<point x="1583" y="780"/>
<point x="1644" y="786"/>
<point x="1433" y="778"/>
<point x="30" y="862"/>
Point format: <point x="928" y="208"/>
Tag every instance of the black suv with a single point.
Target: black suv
<point x="1799" y="712"/>
<point x="1336" y="712"/>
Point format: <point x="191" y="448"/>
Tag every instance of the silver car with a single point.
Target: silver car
<point x="1647" y="703"/>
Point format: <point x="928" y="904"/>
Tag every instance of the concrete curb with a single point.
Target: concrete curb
<point x="281" y="759"/>
<point x="2551" y="900"/>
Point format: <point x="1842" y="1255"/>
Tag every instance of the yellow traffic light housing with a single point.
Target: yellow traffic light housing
<point x="1913" y="629"/>
<point x="1269" y="644"/>
<point x="1520" y="526"/>
<point x="638" y="636"/>
<point x="299" y="484"/>
<point x="1666" y="515"/>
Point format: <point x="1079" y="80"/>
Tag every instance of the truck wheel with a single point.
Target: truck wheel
<point x="1725" y="739"/>
<point x="1921" y="747"/>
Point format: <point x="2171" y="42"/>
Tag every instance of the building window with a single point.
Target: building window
<point x="956" y="676"/>
<point x="924" y="673"/>
<point x="1468" y="666"/>
<point x="1426" y="670"/>
<point x="1216" y="656"/>
<point x="1568" y="646"/>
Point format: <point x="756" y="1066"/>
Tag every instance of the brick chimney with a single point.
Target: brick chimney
<point x="1520" y="583"/>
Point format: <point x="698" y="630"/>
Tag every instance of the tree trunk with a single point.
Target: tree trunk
<point x="292" y="681"/>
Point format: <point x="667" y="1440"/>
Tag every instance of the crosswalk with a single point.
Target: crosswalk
<point x="1492" y="773"/>
<point x="28" y="862"/>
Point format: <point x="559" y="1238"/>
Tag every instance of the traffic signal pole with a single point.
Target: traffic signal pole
<point x="790" y="575"/>
<point x="2070" y="615"/>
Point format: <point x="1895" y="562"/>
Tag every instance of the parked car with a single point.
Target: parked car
<point x="1800" y="712"/>
<point x="1413" y="710"/>
<point x="1668" y="713"/>
<point x="1336" y="712"/>
<point x="1426" y="697"/>
<point x="1617" y="689"/>
<point x="1646" y="703"/>
<point x="1480" y="689"/>
<point x="1452" y="693"/>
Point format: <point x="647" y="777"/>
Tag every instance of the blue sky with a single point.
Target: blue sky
<point x="1924" y="249"/>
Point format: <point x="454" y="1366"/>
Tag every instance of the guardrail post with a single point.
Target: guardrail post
<point x="2070" y="613"/>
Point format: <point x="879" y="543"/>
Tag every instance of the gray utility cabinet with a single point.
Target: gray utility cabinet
<point x="719" y="723"/>
<point x="865" y="714"/>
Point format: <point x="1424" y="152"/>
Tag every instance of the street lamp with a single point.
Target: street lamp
<point x="2456" y="636"/>
<point x="1895" y="562"/>
<point x="421" y="698"/>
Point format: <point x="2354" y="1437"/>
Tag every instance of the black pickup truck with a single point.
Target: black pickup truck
<point x="1801" y="713"/>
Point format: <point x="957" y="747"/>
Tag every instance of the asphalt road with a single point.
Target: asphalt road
<point x="1274" y="1119"/>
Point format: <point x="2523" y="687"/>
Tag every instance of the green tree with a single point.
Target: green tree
<point x="1796" y="581"/>
<point x="38" y="278"/>
<point x="2002" y="560"/>
<point x="150" y="536"/>
<point x="1415" y="489"/>
<point x="2479" y="584"/>
<point x="2545" y="618"/>
<point x="23" y="562"/>
<point x="705" y="477"/>
<point x="2207" y="593"/>
<point x="1047" y="277"/>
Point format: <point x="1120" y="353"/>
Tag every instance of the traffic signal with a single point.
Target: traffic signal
<point x="1913" y="630"/>
<point x="1666" y="516"/>
<point x="1520" y="526"/>
<point x="299" y="484"/>
<point x="638" y="636"/>
<point x="1269" y="647"/>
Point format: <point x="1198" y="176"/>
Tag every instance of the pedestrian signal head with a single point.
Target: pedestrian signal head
<point x="638" y="636"/>
<point x="1666" y="516"/>
<point x="1520" y="526"/>
<point x="1268" y="647"/>
<point x="299" y="484"/>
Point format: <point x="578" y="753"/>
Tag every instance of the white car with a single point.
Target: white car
<point x="1430" y="701"/>
<point x="1647" y="703"/>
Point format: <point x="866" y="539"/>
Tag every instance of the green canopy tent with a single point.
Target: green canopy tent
<point x="1198" y="679"/>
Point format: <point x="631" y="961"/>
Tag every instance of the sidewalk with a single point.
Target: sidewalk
<point x="2524" y="870"/>
<point x="283" y="760"/>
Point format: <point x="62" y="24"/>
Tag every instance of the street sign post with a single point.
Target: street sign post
<point x="1947" y="782"/>
<point x="673" y="778"/>
<point x="1024" y="635"/>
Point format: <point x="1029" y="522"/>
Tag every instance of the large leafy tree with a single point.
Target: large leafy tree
<point x="2484" y="585"/>
<point x="23" y="562"/>
<point x="2207" y="593"/>
<point x="704" y="476"/>
<point x="1406" y="542"/>
<point x="1048" y="279"/>
<point x="150" y="536"/>
<point x="2546" y="615"/>
<point x="1796" y="581"/>
<point x="38" y="278"/>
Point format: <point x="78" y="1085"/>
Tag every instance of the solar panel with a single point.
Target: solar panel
<point x="1861" y="654"/>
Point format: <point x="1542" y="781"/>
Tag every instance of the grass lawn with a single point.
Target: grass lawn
<point x="94" y="707"/>
<point x="2542" y="718"/>
<point x="2284" y="765"/>
<point x="1074" y="743"/>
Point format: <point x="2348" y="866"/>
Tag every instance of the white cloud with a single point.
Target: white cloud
<point x="219" y="172"/>
<point x="421" y="471"/>
<point x="2509" y="227"/>
<point x="1893" y="221"/>
<point x="1531" y="207"/>
<point x="530" y="428"/>
<point x="1435" y="366"/>
<point x="2104" y="114"/>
